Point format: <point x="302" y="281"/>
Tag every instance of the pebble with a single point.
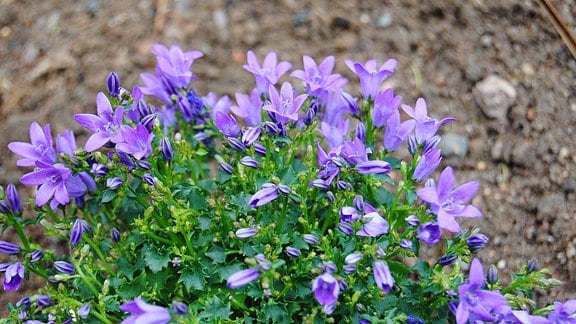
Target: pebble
<point x="501" y="264"/>
<point x="454" y="145"/>
<point x="384" y="21"/>
<point x="494" y="96"/>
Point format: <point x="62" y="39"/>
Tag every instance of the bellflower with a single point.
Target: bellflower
<point x="105" y="127"/>
<point x="429" y="233"/>
<point x="268" y="193"/>
<point x="227" y="125"/>
<point x="447" y="202"/>
<point x="371" y="77"/>
<point x="40" y="147"/>
<point x="217" y="104"/>
<point x="246" y="232"/>
<point x="113" y="84"/>
<point x="52" y="181"/>
<point x="242" y="278"/>
<point x="174" y="64"/>
<point x="66" y="143"/>
<point x="267" y="74"/>
<point x="426" y="127"/>
<point x="250" y="135"/>
<point x="137" y="141"/>
<point x="326" y="289"/>
<point x="13" y="276"/>
<point x="375" y="226"/>
<point x="355" y="152"/>
<point x="476" y="242"/>
<point x="385" y="105"/>
<point x="248" y="108"/>
<point x="563" y="313"/>
<point x="335" y="134"/>
<point x="283" y="104"/>
<point x="473" y="299"/>
<point x="396" y="132"/>
<point x="144" y="313"/>
<point x="13" y="198"/>
<point x="78" y="229"/>
<point x="319" y="78"/>
<point x="373" y="167"/>
<point x="427" y="163"/>
<point x="64" y="267"/>
<point x="382" y="276"/>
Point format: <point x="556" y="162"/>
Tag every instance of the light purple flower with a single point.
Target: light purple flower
<point x="226" y="124"/>
<point x="246" y="232"/>
<point x="144" y="313"/>
<point x="382" y="276"/>
<point x="429" y="233"/>
<point x="114" y="183"/>
<point x="217" y="104"/>
<point x="249" y="108"/>
<point x="137" y="141"/>
<point x="385" y="105"/>
<point x="268" y="193"/>
<point x="174" y="64"/>
<point x="52" y="181"/>
<point x="13" y="276"/>
<point x="563" y="313"/>
<point x="335" y="134"/>
<point x="8" y="248"/>
<point x="474" y="300"/>
<point x="242" y="278"/>
<point x="406" y="244"/>
<point x="396" y="132"/>
<point x="292" y="252"/>
<point x="426" y="127"/>
<point x="283" y="104"/>
<point x="353" y="258"/>
<point x="447" y="202"/>
<point x="267" y="74"/>
<point x="355" y="151"/>
<point x="376" y="225"/>
<point x="84" y="311"/>
<point x="319" y="78"/>
<point x="40" y="147"/>
<point x="427" y="163"/>
<point x="105" y="127"/>
<point x="371" y="77"/>
<point x="326" y="289"/>
<point x="373" y="167"/>
<point x="66" y="143"/>
<point x="78" y="229"/>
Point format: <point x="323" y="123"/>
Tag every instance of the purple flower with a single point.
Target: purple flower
<point x="284" y="106"/>
<point x="427" y="163"/>
<point x="226" y="124"/>
<point x="385" y="105"/>
<point x="84" y="311"/>
<point x="179" y="308"/>
<point x="80" y="227"/>
<point x="174" y="64"/>
<point x="242" y="278"/>
<point x="349" y="214"/>
<point x="448" y="203"/>
<point x="267" y="74"/>
<point x="563" y="313"/>
<point x="426" y="126"/>
<point x="250" y="135"/>
<point x="371" y="77"/>
<point x="249" y="161"/>
<point x="335" y="134"/>
<point x="142" y="312"/>
<point x="292" y="252"/>
<point x="113" y="84"/>
<point x="375" y="226"/>
<point x="36" y="255"/>
<point x="105" y="127"/>
<point x="13" y="198"/>
<point x="248" y="108"/>
<point x="354" y="151"/>
<point x="476" y="242"/>
<point x="43" y="300"/>
<point x="64" y="267"/>
<point x="429" y="233"/>
<point x="396" y="132"/>
<point x="66" y="143"/>
<point x="268" y="193"/>
<point x="373" y="167"/>
<point x="353" y="258"/>
<point x="115" y="235"/>
<point x="382" y="276"/>
<point x="113" y="183"/>
<point x="13" y="276"/>
<point x="226" y="167"/>
<point x="474" y="300"/>
<point x="246" y="232"/>
<point x="52" y="181"/>
<point x="39" y="149"/>
<point x="319" y="78"/>
<point x="406" y="244"/>
<point x="8" y="248"/>
<point x="137" y="142"/>
<point x="412" y="220"/>
<point x="326" y="289"/>
<point x="167" y="151"/>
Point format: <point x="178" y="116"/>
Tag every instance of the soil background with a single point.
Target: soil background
<point x="55" y="56"/>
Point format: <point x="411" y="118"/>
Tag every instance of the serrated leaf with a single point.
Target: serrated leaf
<point x="108" y="195"/>
<point x="217" y="254"/>
<point x="155" y="260"/>
<point x="192" y="280"/>
<point x="216" y="309"/>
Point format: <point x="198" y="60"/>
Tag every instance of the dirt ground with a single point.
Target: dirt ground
<point x="55" y="56"/>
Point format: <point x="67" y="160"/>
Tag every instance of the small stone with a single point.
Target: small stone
<point x="481" y="166"/>
<point x="220" y="18"/>
<point x="494" y="96"/>
<point x="453" y="145"/>
<point x="570" y="251"/>
<point x="384" y="21"/>
<point x="501" y="264"/>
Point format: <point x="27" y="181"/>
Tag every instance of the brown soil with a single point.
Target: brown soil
<point x="56" y="54"/>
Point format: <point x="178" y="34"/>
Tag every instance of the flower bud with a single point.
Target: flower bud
<point x="64" y="267"/>
<point x="353" y="258"/>
<point x="260" y="149"/>
<point x="361" y="131"/>
<point x="359" y="203"/>
<point x="263" y="263"/>
<point x="246" y="232"/>
<point x="113" y="183"/>
<point x="492" y="275"/>
<point x="310" y="239"/>
<point x="84" y="311"/>
<point x="373" y="167"/>
<point x="115" y="235"/>
<point x="13" y="198"/>
<point x="167" y="151"/>
<point x="250" y="162"/>
<point x="346" y="228"/>
<point x="382" y="276"/>
<point x="412" y="220"/>
<point x="477" y="242"/>
<point x="533" y="265"/>
<point x="35" y="256"/>
<point x="328" y="266"/>
<point x="43" y="300"/>
<point x="236" y="144"/>
<point x="4" y="209"/>
<point x="113" y="83"/>
<point x="227" y="168"/>
<point x="406" y="244"/>
<point x="179" y="308"/>
<point x="292" y="252"/>
<point x="447" y="259"/>
<point x="242" y="278"/>
<point x="349" y="268"/>
<point x="250" y="135"/>
<point x="8" y="248"/>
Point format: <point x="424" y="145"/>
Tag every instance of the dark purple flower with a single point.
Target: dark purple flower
<point x="427" y="163"/>
<point x="267" y="74"/>
<point x="137" y="141"/>
<point x="36" y="255"/>
<point x="373" y="167"/>
<point x="226" y="167"/>
<point x="4" y="207"/>
<point x="84" y="311"/>
<point x="64" y="267"/>
<point x="115" y="234"/>
<point x="249" y="108"/>
<point x="179" y="308"/>
<point x="114" y="183"/>
<point x="242" y="278"/>
<point x="8" y="248"/>
<point x="105" y="127"/>
<point x="260" y="149"/>
<point x="43" y="300"/>
<point x="78" y="229"/>
<point x="167" y="151"/>
<point x="236" y="144"/>
<point x="476" y="242"/>
<point x="371" y="77"/>
<point x="382" y="276"/>
<point x="319" y="78"/>
<point x="246" y="232"/>
<point x="396" y="132"/>
<point x="292" y="252"/>
<point x="24" y="301"/>
<point x="52" y="181"/>
<point x="142" y="312"/>
<point x="361" y="131"/>
<point x="474" y="300"/>
<point x="492" y="275"/>
<point x="268" y="193"/>
<point x="326" y="289"/>
<point x="448" y="203"/>
<point x="226" y="124"/>
<point x="429" y="233"/>
<point x="426" y="127"/>
<point x="533" y="265"/>
<point x="113" y="84"/>
<point x="563" y="313"/>
<point x="375" y="225"/>
<point x="447" y="259"/>
<point x="40" y="147"/>
<point x="310" y="239"/>
<point x="13" y="276"/>
<point x="250" y="135"/>
<point x="411" y="319"/>
<point x="283" y="104"/>
<point x="13" y="198"/>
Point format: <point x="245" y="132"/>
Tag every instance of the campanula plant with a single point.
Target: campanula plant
<point x="296" y="202"/>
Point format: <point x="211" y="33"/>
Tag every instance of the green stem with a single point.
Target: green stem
<point x="99" y="253"/>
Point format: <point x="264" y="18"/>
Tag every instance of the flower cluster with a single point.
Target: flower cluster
<point x="296" y="202"/>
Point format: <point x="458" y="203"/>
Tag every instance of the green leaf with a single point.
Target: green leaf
<point x="108" y="195"/>
<point x="216" y="309"/>
<point x="422" y="267"/>
<point x="383" y="196"/>
<point x="192" y="280"/>
<point x="192" y="194"/>
<point x="154" y="260"/>
<point x="217" y="254"/>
